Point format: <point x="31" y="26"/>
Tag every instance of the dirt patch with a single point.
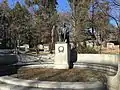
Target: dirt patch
<point x="67" y="75"/>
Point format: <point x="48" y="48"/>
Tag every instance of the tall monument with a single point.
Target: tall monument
<point x="62" y="49"/>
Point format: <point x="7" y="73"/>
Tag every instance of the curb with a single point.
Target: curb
<point x="54" y="85"/>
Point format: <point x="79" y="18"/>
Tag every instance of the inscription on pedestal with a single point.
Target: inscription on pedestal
<point x="61" y="49"/>
<point x="61" y="56"/>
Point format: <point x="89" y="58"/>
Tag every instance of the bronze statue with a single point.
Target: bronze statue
<point x="63" y="33"/>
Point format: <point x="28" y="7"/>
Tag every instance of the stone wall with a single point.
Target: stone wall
<point x="114" y="81"/>
<point x="112" y="59"/>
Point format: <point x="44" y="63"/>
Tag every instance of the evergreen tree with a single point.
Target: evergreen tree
<point x="20" y="24"/>
<point x="45" y="18"/>
<point x="4" y="24"/>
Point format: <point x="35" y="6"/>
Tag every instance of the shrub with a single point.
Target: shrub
<point x="87" y="50"/>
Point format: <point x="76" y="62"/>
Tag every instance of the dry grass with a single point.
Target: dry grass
<point x="72" y="75"/>
<point x="110" y="51"/>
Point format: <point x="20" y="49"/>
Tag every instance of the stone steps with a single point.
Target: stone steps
<point x="109" y="69"/>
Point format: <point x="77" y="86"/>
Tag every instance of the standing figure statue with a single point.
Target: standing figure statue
<point x="63" y="33"/>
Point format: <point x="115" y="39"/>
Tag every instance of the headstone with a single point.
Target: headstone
<point x="46" y="48"/>
<point x="26" y="46"/>
<point x="40" y="46"/>
<point x="90" y="44"/>
<point x="110" y="45"/>
<point x="62" y="56"/>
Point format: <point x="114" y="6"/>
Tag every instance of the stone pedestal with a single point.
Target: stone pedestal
<point x="62" y="56"/>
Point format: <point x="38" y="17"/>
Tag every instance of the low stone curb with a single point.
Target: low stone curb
<point x="40" y="66"/>
<point x="46" y="84"/>
<point x="15" y="87"/>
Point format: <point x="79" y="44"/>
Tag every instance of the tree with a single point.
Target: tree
<point x="101" y="21"/>
<point x="80" y="18"/>
<point x="4" y="24"/>
<point x="117" y="18"/>
<point x="45" y="18"/>
<point x="31" y="27"/>
<point x="93" y="15"/>
<point x="20" y="24"/>
<point x="115" y="5"/>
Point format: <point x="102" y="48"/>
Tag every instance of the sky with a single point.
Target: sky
<point x="11" y="3"/>
<point x="62" y="6"/>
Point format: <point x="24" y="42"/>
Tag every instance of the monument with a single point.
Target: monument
<point x="62" y="49"/>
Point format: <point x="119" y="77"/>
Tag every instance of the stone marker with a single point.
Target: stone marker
<point x="62" y="56"/>
<point x="25" y="46"/>
<point x="46" y="48"/>
<point x="40" y="46"/>
<point x="110" y="45"/>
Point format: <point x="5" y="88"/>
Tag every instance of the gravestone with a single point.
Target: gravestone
<point x="110" y="45"/>
<point x="40" y="46"/>
<point x="46" y="48"/>
<point x="26" y="46"/>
